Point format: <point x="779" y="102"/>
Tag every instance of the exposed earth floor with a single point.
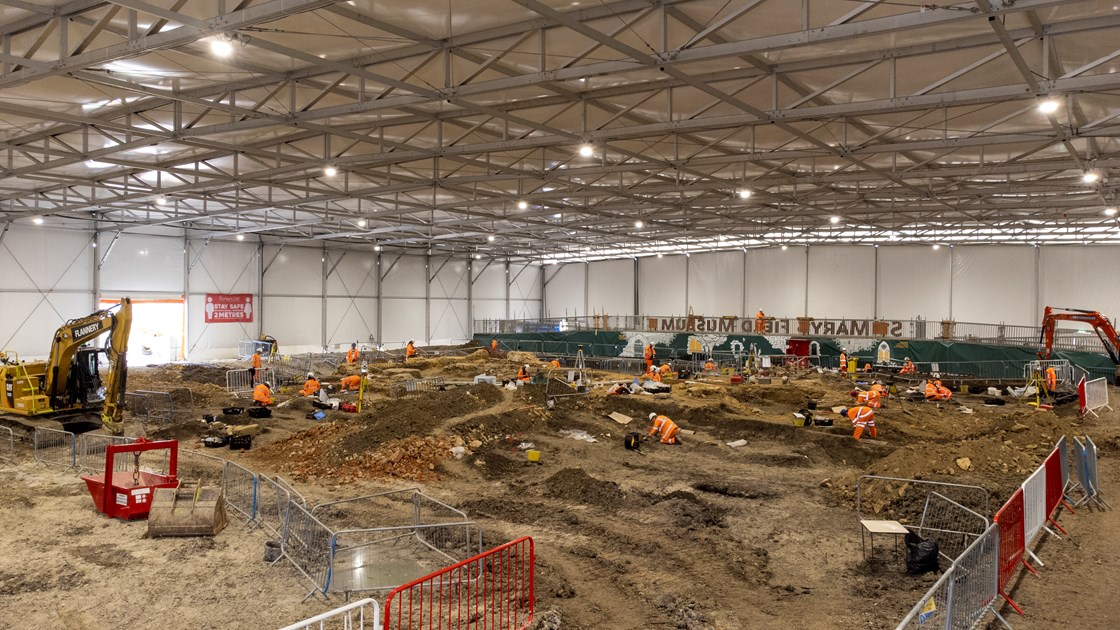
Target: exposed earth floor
<point x="697" y="535"/>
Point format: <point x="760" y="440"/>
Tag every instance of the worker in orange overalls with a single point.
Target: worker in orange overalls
<point x="1051" y="378"/>
<point x="935" y="391"/>
<point x="554" y="363"/>
<point x="256" y="365"/>
<point x="523" y="373"/>
<point x="907" y="367"/>
<point x="310" y="386"/>
<point x="410" y="349"/>
<point x="760" y="322"/>
<point x="650" y="353"/>
<point x="262" y="395"/>
<point x="843" y="360"/>
<point x="861" y="417"/>
<point x="654" y="374"/>
<point x="869" y="398"/>
<point x="665" y="428"/>
<point x="709" y="366"/>
<point x="666" y="371"/>
<point x="878" y="387"/>
<point x="493" y="345"/>
<point x="866" y="367"/>
<point x="352" y="355"/>
<point x="352" y="382"/>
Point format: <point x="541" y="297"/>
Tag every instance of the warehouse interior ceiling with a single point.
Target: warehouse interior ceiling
<point x="550" y="130"/>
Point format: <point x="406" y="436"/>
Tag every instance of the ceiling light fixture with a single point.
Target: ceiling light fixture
<point x="936" y="246"/>
<point x="744" y="193"/>
<point x="1089" y="177"/>
<point x="330" y="170"/>
<point x="522" y="205"/>
<point x="37" y="220"/>
<point x="362" y="223"/>
<point x="490" y="238"/>
<point x="221" y="46"/>
<point x="638" y="224"/>
<point x="161" y="200"/>
<point x="586" y="150"/>
<point x="660" y="255"/>
<point x="240" y="237"/>
<point x="1049" y="106"/>
<point x="1109" y="212"/>
<point x="834" y="219"/>
<point x="376" y="248"/>
<point x="785" y="247"/>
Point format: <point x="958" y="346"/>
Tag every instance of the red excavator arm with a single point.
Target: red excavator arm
<point x="1100" y="324"/>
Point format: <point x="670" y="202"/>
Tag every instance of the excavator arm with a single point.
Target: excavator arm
<point x="117" y="320"/>
<point x="1104" y="329"/>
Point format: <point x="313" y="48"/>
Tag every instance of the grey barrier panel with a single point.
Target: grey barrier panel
<point x="7" y="444"/>
<point x="137" y="404"/>
<point x="197" y="466"/>
<point x="240" y="485"/>
<point x="91" y="451"/>
<point x="287" y="485"/>
<point x="54" y="447"/>
<point x="359" y="615"/>
<point x="272" y="506"/>
<point x="241" y="382"/>
<point x="868" y="487"/>
<point x="951" y="524"/>
<point x="1094" y="480"/>
<point x="933" y="609"/>
<point x="160" y="406"/>
<point x="1063" y="456"/>
<point x="383" y="558"/>
<point x="975" y="577"/>
<point x="306" y="543"/>
<point x="1081" y="464"/>
<point x="396" y="390"/>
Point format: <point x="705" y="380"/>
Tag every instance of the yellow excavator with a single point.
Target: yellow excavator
<point x="67" y="386"/>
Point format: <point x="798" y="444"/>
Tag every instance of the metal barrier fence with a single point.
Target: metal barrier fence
<point x="1034" y="507"/>
<point x="357" y="615"/>
<point x="54" y="447"/>
<point x="248" y="347"/>
<point x="433" y="384"/>
<point x="1012" y="543"/>
<point x="272" y="506"/>
<point x="1094" y="481"/>
<point x="91" y="449"/>
<point x="240" y="485"/>
<point x="241" y="382"/>
<point x="290" y="368"/>
<point x="306" y="543"/>
<point x="287" y="485"/>
<point x="1096" y="395"/>
<point x="501" y="597"/>
<point x="382" y="558"/>
<point x="195" y="465"/>
<point x="951" y="524"/>
<point x="878" y="489"/>
<point x="7" y="444"/>
<point x="1062" y="368"/>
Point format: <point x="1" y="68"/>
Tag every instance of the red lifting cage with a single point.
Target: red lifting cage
<point x="127" y="494"/>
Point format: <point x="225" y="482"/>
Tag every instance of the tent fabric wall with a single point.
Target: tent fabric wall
<point x="568" y="282"/>
<point x="449" y="317"/>
<point x="292" y="304"/>
<point x="714" y="283"/>
<point x="913" y="281"/>
<point x="1080" y="277"/>
<point x="140" y="265"/>
<point x="841" y="281"/>
<point x="219" y="267"/>
<point x="610" y="287"/>
<point x="776" y="281"/>
<point x="662" y="285"/>
<point x="995" y="284"/>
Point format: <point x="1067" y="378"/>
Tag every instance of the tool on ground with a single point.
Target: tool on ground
<point x="127" y="494"/>
<point x="190" y="509"/>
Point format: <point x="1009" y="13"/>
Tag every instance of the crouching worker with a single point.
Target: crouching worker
<point x="861" y="417"/>
<point x="523" y="373"/>
<point x="619" y="389"/>
<point x="666" y="429"/>
<point x="352" y="382"/>
<point x="935" y="391"/>
<point x="310" y="386"/>
<point x="262" y="395"/>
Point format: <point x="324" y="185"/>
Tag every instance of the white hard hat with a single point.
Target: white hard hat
<point x="652" y="415"/>
<point x="310" y="375"/>
<point x="364" y="371"/>
<point x="906" y="359"/>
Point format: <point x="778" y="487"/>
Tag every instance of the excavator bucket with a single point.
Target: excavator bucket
<point x="189" y="510"/>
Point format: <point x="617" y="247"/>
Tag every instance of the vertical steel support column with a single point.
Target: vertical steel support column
<point x="586" y="288"/>
<point x="470" y="298"/>
<point x="805" y="309"/>
<point x="427" y="300"/>
<point x="637" y="295"/>
<point x="323" y="309"/>
<point x="744" y="285"/>
<point x="952" y="255"/>
<point x="96" y="269"/>
<point x="687" y="273"/>
<point x="507" y="289"/>
<point x="379" y="340"/>
<point x="260" y="287"/>
<point x="875" y="303"/>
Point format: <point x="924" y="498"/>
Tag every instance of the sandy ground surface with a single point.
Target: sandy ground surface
<point x="692" y="536"/>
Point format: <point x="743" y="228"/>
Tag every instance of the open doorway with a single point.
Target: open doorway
<point x="158" y="328"/>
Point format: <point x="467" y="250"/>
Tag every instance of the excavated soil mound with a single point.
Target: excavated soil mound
<point x="573" y="484"/>
<point x="687" y="511"/>
<point x="418" y="414"/>
<point x="775" y="394"/>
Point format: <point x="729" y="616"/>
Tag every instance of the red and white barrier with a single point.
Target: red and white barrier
<point x="1012" y="544"/>
<point x="493" y="590"/>
<point x="1095" y="397"/>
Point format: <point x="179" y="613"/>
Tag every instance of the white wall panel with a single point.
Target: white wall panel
<point x="294" y="271"/>
<point x="841" y="281"/>
<point x="138" y="263"/>
<point x="1080" y="277"/>
<point x="525" y="309"/>
<point x="776" y="281"/>
<point x="353" y="275"/>
<point x="564" y="290"/>
<point x="46" y="259"/>
<point x="914" y="280"/>
<point x="350" y="320"/>
<point x="403" y="320"/>
<point x="296" y="322"/>
<point x="490" y="281"/>
<point x="524" y="282"/>
<point x="449" y="278"/>
<point x="715" y="285"/>
<point x="449" y="322"/>
<point x="489" y="309"/>
<point x="405" y="276"/>
<point x="993" y="284"/>
<point x="220" y="267"/>
<point x="610" y="287"/>
<point x="661" y="285"/>
<point x="28" y="320"/>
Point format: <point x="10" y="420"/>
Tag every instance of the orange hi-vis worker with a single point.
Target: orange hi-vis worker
<point x="493" y="345"/>
<point x="523" y="373"/>
<point x="936" y="391"/>
<point x="907" y="367"/>
<point x="350" y="382"/>
<point x="554" y="363"/>
<point x="861" y="417"/>
<point x="409" y="350"/>
<point x="943" y="392"/>
<point x="666" y="370"/>
<point x="882" y="391"/>
<point x="310" y="386"/>
<point x="257" y="365"/>
<point x="1051" y="378"/>
<point x="654" y="373"/>
<point x="843" y="360"/>
<point x="665" y="428"/>
<point x="262" y="395"/>
<point x="709" y="366"/>
<point x="650" y="353"/>
<point x="353" y="354"/>
<point x="869" y="398"/>
<point x="760" y="321"/>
